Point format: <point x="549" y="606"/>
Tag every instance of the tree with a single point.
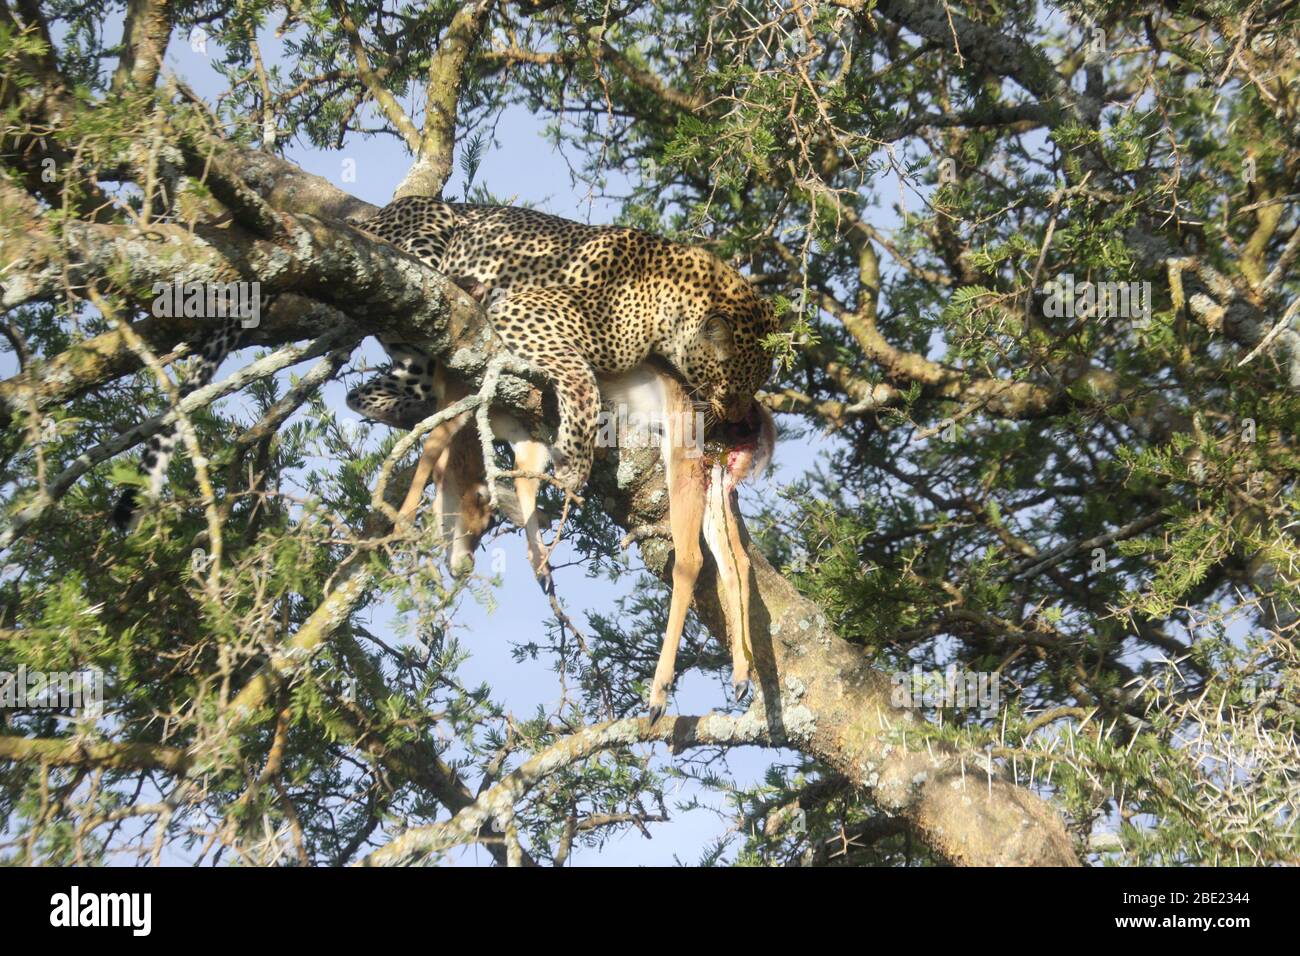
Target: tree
<point x="1038" y="269"/>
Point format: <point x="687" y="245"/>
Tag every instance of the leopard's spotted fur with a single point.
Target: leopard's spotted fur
<point x="577" y="300"/>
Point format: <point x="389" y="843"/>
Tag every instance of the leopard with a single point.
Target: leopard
<point x="572" y="300"/>
<point x="577" y="301"/>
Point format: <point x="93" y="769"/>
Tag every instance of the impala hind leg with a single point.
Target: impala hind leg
<point x="742" y="649"/>
<point x="437" y="444"/>
<point x="722" y="533"/>
<point x="464" y="514"/>
<point x="686" y="514"/>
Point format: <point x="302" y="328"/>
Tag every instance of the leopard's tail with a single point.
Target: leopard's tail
<point x="160" y="448"/>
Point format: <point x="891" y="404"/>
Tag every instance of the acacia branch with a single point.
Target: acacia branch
<point x="48" y="496"/>
<point x="145" y="34"/>
<point x="374" y="85"/>
<point x="447" y="72"/>
<point x="496" y="804"/>
<point x="106" y="754"/>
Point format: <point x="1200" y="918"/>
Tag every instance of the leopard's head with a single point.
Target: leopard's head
<point x="718" y="340"/>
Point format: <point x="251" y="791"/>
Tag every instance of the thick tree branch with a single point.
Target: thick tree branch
<point x="106" y="754"/>
<point x="447" y="75"/>
<point x="144" y="43"/>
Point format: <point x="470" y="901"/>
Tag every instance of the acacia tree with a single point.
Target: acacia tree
<point x="1038" y="270"/>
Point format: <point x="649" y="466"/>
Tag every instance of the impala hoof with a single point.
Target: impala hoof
<point x="656" y="711"/>
<point x="740" y="689"/>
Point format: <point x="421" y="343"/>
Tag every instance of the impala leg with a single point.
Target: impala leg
<point x="743" y="648"/>
<point x="432" y="464"/>
<point x="462" y="504"/>
<point x="433" y="460"/>
<point x="686" y="514"/>
<point x="722" y="535"/>
<point x="533" y="456"/>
